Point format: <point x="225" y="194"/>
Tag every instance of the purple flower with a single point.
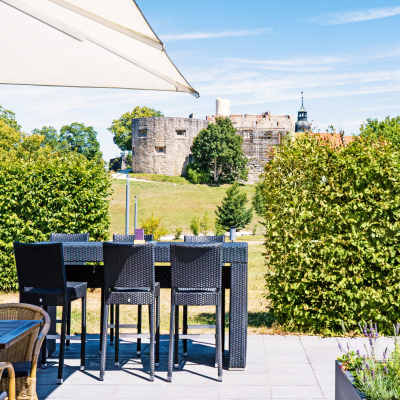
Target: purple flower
<point x="340" y="347"/>
<point x="348" y="347"/>
<point x="358" y="353"/>
<point x="384" y="354"/>
<point x="385" y="370"/>
<point x="367" y="366"/>
<point x="373" y="373"/>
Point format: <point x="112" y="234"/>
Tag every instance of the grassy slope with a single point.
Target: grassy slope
<point x="176" y="204"/>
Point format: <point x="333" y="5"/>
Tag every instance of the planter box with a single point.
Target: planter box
<point x="344" y="389"/>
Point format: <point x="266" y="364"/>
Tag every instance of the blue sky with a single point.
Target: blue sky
<point x="260" y="54"/>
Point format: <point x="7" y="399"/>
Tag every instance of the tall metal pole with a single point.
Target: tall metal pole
<point x="127" y="205"/>
<point x="135" y="213"/>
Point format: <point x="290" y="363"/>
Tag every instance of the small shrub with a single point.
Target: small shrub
<point x="195" y="225"/>
<point x="205" y="224"/>
<point x="178" y="233"/>
<point x="197" y="177"/>
<point x="218" y="229"/>
<point x="254" y="230"/>
<point x="152" y="226"/>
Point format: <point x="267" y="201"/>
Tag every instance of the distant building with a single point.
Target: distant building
<point x="302" y="125"/>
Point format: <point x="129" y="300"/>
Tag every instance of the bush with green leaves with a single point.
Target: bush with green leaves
<point x="153" y="226"/>
<point x="332" y="218"/>
<point x="233" y="211"/>
<point x="197" y="176"/>
<point x="388" y="129"/>
<point x="42" y="191"/>
<point x="195" y="225"/>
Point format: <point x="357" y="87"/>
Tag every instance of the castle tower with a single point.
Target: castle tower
<point x="302" y="125"/>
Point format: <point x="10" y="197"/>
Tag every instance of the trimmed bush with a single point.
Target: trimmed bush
<point x="41" y="192"/>
<point x="332" y="218"/>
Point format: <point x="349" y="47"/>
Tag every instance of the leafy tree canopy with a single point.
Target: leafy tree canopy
<point x="75" y="137"/>
<point x="233" y="211"/>
<point x="388" y="129"/>
<point x="122" y="128"/>
<point x="218" y="150"/>
<point x="9" y="118"/>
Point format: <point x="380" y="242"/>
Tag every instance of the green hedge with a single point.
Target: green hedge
<point x="333" y="234"/>
<point x="46" y="193"/>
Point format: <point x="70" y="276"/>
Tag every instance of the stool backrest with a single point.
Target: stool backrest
<point x="128" y="266"/>
<point x="40" y="265"/>
<point x="204" y="239"/>
<point x="196" y="266"/>
<point x="69" y="237"/>
<point x="130" y="238"/>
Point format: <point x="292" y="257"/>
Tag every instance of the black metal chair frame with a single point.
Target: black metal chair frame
<point x="196" y="280"/>
<point x="69" y="237"/>
<point x="129" y="278"/>
<point x="42" y="282"/>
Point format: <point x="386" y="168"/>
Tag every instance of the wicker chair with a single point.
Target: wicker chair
<point x="11" y="381"/>
<point x="70" y="237"/>
<point x="129" y="278"/>
<point x="196" y="280"/>
<point x="23" y="354"/>
<point x="42" y="281"/>
<point x="204" y="239"/>
<point x="130" y="239"/>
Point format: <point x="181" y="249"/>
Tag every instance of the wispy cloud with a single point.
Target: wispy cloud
<point x="210" y="35"/>
<point x="355" y="16"/>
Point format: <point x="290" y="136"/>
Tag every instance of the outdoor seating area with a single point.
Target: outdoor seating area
<point x="55" y="274"/>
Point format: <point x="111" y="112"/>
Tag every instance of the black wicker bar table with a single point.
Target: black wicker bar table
<point x="234" y="278"/>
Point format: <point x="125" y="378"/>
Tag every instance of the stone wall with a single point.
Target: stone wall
<point x="161" y="145"/>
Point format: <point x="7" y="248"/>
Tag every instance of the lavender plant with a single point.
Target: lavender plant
<point x="376" y="373"/>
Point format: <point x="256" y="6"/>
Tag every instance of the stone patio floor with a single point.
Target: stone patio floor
<point x="278" y="367"/>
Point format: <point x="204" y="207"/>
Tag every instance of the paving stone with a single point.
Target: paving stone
<point x="325" y="379"/>
<point x="287" y="359"/>
<point x="298" y="379"/>
<point x="50" y="391"/>
<point x="94" y="391"/>
<point x="296" y="392"/>
<point x="285" y="351"/>
<point x="245" y="392"/>
<point x="140" y="392"/>
<point x="240" y="379"/>
<point x="328" y="391"/>
<point x="193" y="392"/>
<point x="290" y="369"/>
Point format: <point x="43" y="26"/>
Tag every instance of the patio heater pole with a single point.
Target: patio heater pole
<point x="127" y="205"/>
<point x="135" y="213"/>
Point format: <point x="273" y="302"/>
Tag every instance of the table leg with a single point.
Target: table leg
<point x="238" y="316"/>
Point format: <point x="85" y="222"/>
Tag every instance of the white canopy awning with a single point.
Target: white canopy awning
<point x="83" y="43"/>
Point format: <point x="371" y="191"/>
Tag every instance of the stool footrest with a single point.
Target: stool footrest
<point x="201" y="326"/>
<point x="123" y="326"/>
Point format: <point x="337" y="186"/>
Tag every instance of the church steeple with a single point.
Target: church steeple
<point x="302" y="124"/>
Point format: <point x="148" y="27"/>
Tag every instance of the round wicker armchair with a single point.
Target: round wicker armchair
<point x="24" y="354"/>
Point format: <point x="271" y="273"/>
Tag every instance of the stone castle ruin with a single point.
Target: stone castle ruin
<point x="161" y="145"/>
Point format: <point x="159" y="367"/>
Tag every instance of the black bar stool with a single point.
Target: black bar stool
<point x="129" y="278"/>
<point x="42" y="282"/>
<point x="196" y="280"/>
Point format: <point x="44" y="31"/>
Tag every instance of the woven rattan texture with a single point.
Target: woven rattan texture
<point x="196" y="266"/>
<point x="204" y="239"/>
<point x="23" y="349"/>
<point x="129" y="297"/>
<point x="131" y="238"/>
<point x="69" y="237"/>
<point x="40" y="265"/>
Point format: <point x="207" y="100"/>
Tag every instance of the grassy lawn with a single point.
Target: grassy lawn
<point x="176" y="204"/>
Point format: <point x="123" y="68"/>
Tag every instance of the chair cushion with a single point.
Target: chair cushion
<point x="22" y="368"/>
<point x="3" y="395"/>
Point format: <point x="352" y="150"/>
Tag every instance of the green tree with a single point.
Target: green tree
<point x="122" y="128"/>
<point x="388" y="129"/>
<point x="218" y="150"/>
<point x="205" y="224"/>
<point x="9" y="118"/>
<point x="195" y="225"/>
<point x="233" y="211"/>
<point x="153" y="226"/>
<point x="75" y="137"/>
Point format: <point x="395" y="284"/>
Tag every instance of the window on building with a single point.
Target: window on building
<point x="142" y="133"/>
<point x="180" y="133"/>
<point x="287" y="116"/>
<point x="277" y="124"/>
<point x="133" y="150"/>
<point x="255" y="123"/>
<point x="160" y="150"/>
